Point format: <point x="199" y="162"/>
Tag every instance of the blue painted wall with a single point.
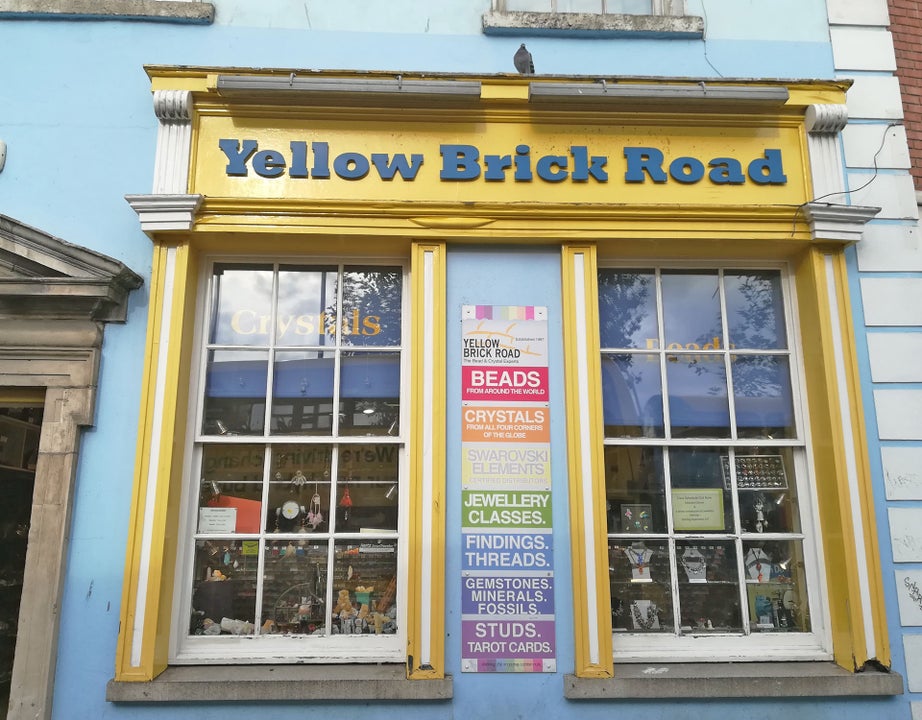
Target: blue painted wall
<point x="75" y="112"/>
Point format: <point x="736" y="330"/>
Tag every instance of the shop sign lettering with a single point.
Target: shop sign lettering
<point x="465" y="163"/>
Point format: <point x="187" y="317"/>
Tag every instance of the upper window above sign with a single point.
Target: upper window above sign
<point x="593" y="18"/>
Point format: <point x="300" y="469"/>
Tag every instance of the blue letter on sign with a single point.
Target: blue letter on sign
<point x="237" y="157"/>
<point x="767" y="170"/>
<point x="465" y="160"/>
<point x="644" y="159"/>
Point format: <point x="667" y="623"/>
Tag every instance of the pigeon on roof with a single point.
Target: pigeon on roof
<point x="523" y="61"/>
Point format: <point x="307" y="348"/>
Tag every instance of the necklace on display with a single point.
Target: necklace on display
<point x="644" y="623"/>
<point x="694" y="564"/>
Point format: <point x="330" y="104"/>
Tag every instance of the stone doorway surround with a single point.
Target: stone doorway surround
<point x="55" y="299"/>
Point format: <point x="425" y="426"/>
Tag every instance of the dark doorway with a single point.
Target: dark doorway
<point x="20" y="428"/>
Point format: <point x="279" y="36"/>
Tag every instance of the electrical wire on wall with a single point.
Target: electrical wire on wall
<point x="873" y="177"/>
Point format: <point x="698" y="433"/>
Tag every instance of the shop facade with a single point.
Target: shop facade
<point x="439" y="389"/>
<point x="476" y="364"/>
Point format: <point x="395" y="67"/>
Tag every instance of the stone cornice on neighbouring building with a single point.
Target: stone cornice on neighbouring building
<point x="42" y="276"/>
<point x="201" y="13"/>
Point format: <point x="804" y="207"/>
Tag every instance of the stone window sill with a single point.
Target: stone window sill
<point x="733" y="680"/>
<point x="243" y="683"/>
<point x="175" y="11"/>
<point x="680" y="27"/>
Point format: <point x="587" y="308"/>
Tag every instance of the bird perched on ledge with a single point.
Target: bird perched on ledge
<point x="523" y="61"/>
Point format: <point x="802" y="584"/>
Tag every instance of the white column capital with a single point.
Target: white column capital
<point x="826" y="118"/>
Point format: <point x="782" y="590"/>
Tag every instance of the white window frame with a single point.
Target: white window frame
<point x="747" y="647"/>
<point x="660" y="7"/>
<point x="186" y="649"/>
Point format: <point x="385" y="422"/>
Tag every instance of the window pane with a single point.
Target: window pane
<point x="302" y="393"/>
<point x="587" y="6"/>
<point x="235" y="392"/>
<point x="294" y="588"/>
<point x="630" y="7"/>
<point x="372" y="306"/>
<point x="365" y="586"/>
<point x="230" y="497"/>
<point x="698" y="402"/>
<point x="224" y="587"/>
<point x="370" y="394"/>
<point x="701" y="501"/>
<point x="777" y="587"/>
<point x="709" y="590"/>
<point x="632" y="398"/>
<point x="241" y="305"/>
<point x="641" y="590"/>
<point x="635" y="490"/>
<point x="369" y="494"/>
<point x="755" y="310"/>
<point x="691" y="310"/>
<point x="299" y="489"/>
<point x="627" y="309"/>
<point x="762" y="395"/>
<point x="767" y="494"/>
<point x="307" y="300"/>
<point x="526" y="5"/>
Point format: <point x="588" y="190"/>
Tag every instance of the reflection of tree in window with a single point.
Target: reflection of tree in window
<point x="625" y="302"/>
<point x="371" y="306"/>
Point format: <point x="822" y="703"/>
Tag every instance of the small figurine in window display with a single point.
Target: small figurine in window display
<point x="759" y="507"/>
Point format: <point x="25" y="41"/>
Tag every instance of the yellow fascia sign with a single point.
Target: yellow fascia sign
<point x="350" y="147"/>
<point x="347" y="159"/>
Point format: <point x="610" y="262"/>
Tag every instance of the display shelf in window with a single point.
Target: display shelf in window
<point x="756" y="472"/>
<point x="641" y="586"/>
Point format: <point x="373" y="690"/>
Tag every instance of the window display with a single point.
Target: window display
<point x="299" y="463"/>
<point x="702" y="454"/>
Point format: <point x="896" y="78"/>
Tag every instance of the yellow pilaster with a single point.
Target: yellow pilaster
<point x="426" y="538"/>
<point x="591" y="594"/>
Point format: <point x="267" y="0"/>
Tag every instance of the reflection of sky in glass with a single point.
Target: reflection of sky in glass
<point x="243" y="297"/>
<point x="755" y="313"/>
<point x="305" y="295"/>
<point x="762" y="394"/>
<point x="691" y="308"/>
<point x="372" y="306"/>
<point x="627" y="309"/>
<point x="698" y="393"/>
<point x="631" y="394"/>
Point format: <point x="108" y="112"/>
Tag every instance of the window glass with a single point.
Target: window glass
<point x="762" y="396"/>
<point x="241" y="304"/>
<point x="306" y="306"/>
<point x="755" y="314"/>
<point x="705" y="524"/>
<point x="691" y="310"/>
<point x="697" y="391"/>
<point x="296" y="534"/>
<point x="631" y="7"/>
<point x="627" y="305"/>
<point x="632" y="396"/>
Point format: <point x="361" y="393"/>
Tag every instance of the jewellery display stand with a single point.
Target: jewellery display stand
<point x="773" y="593"/>
<point x="767" y="504"/>
<point x="708" y="587"/>
<point x="640" y="586"/>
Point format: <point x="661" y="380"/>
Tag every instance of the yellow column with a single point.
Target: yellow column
<point x="426" y="572"/>
<point x="591" y="593"/>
